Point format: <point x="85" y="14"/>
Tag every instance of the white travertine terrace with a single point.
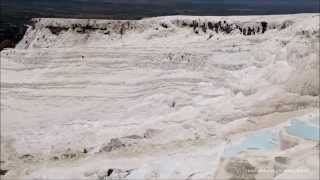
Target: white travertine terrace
<point x="160" y="98"/>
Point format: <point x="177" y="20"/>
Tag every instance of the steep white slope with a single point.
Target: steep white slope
<point x="156" y="98"/>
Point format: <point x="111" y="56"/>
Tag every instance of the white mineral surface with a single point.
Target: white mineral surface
<point x="177" y="97"/>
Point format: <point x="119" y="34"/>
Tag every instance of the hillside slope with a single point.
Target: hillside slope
<point x="164" y="97"/>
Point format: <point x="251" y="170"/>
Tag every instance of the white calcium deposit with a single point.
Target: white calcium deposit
<point x="162" y="98"/>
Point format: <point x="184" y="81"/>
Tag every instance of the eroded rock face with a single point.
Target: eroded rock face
<point x="151" y="133"/>
<point x="56" y="30"/>
<point x="111" y="174"/>
<point x="241" y="169"/>
<point x="217" y="27"/>
<point x="197" y="25"/>
<point x="281" y="164"/>
<point x="114" y="144"/>
<point x="3" y="172"/>
<point x="282" y="159"/>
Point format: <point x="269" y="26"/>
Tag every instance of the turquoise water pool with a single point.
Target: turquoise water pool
<point x="304" y="127"/>
<point x="304" y="130"/>
<point x="265" y="140"/>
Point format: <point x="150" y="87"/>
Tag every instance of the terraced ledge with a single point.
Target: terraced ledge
<point x="176" y="97"/>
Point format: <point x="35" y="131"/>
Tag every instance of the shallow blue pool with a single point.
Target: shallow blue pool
<point x="304" y="130"/>
<point x="265" y="140"/>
